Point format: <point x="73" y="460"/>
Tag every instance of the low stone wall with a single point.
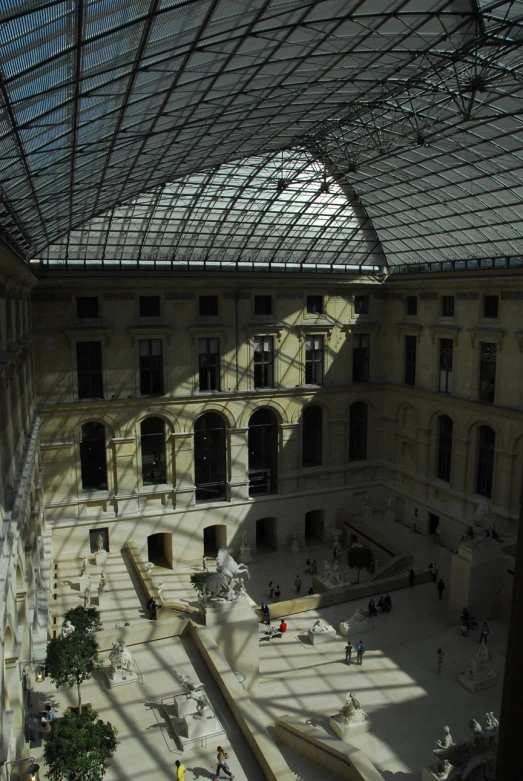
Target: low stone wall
<point x="137" y="632"/>
<point x="247" y="716"/>
<point x="327" y="751"/>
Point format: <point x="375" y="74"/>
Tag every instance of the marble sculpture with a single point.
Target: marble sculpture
<point x="222" y="585"/>
<point x="473" y="759"/>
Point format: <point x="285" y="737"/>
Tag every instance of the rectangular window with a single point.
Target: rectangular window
<point x="314" y="305"/>
<point x="487" y="371"/>
<point x="313" y="360"/>
<point x="446" y="358"/>
<point x="208" y="306"/>
<point x="89" y="370"/>
<point x="86" y="307"/>
<point x="361" y="305"/>
<point x="412" y="305"/>
<point x="360" y="358"/>
<point x="410" y="360"/>
<point x="263" y="362"/>
<point x="444" y="462"/>
<point x="209" y="364"/>
<point x="447" y="306"/>
<point x="263" y="305"/>
<point x="151" y="367"/>
<point x="490" y="307"/>
<point x="149" y="306"/>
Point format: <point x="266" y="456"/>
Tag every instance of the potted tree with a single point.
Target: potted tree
<point x="80" y="747"/>
<point x="84" y="619"/>
<point x="359" y="557"/>
<point x="71" y="660"/>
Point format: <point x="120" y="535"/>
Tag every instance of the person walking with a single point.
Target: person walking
<point x="308" y="567"/>
<point x="314" y="567"/>
<point x="360" y="650"/>
<point x="348" y="652"/>
<point x="298" y="582"/>
<point x="271" y="590"/>
<point x="412" y="577"/>
<point x="484" y="633"/>
<point x="439" y="659"/>
<point x="221" y="764"/>
<point x="180" y="770"/>
<point x="204" y="563"/>
<point x="277" y="594"/>
<point x="440" y="587"/>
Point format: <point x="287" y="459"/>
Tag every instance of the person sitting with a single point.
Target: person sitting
<point x="372" y="609"/>
<point x="283" y="626"/>
<point x="271" y="630"/>
<point x="387" y="603"/>
<point x="381" y="603"/>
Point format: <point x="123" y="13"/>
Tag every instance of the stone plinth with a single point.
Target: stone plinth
<point x="475" y="579"/>
<point x="122" y="677"/>
<point x="348" y="731"/>
<point x="477" y="685"/>
<point x="315" y="638"/>
<point x="100" y="558"/>
<point x="353" y="629"/>
<point x="184" y="706"/>
<point x="245" y="554"/>
<point x="103" y="598"/>
<point x="235" y="629"/>
<point x="83" y="583"/>
<point x="200" y="726"/>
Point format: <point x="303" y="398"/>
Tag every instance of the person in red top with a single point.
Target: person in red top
<point x="283" y="626"/>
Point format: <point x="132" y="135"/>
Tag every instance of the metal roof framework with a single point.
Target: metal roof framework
<point x="306" y="133"/>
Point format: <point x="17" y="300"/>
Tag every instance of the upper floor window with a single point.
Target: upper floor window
<point x="312" y="424"/>
<point x="87" y="307"/>
<point x="411" y="304"/>
<point x="208" y="306"/>
<point x="314" y="305"/>
<point x="444" y="464"/>
<point x="263" y="362"/>
<point x="262" y="305"/>
<point x="89" y="370"/>
<point x="446" y="358"/>
<point x="151" y="367"/>
<point x="485" y="461"/>
<point x="358" y="431"/>
<point x="149" y="306"/>
<point x="263" y="453"/>
<point x="360" y="357"/>
<point x="93" y="461"/>
<point x="447" y="306"/>
<point x="487" y="371"/>
<point x="209" y="363"/>
<point x="313" y="359"/>
<point x="209" y="458"/>
<point x="361" y="305"/>
<point x="490" y="307"/>
<point x="410" y="360"/>
<point x="152" y="440"/>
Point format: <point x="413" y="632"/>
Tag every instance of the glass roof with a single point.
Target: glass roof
<point x="134" y="130"/>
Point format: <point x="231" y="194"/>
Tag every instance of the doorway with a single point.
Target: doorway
<point x="160" y="549"/>
<point x="213" y="539"/>
<point x="266" y="535"/>
<point x="314" y="525"/>
<point x="433" y="523"/>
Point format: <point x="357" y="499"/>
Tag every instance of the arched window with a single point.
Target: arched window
<point x="209" y="458"/>
<point x="485" y="462"/>
<point x="311" y="422"/>
<point x="152" y="439"/>
<point x="263" y="453"/>
<point x="444" y="466"/>
<point x="358" y="432"/>
<point x="93" y="459"/>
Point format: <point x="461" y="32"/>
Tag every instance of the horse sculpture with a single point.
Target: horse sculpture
<point x="221" y="584"/>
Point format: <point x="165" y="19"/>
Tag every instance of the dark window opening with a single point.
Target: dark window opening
<point x="152" y="438"/>
<point x="149" y="306"/>
<point x="360" y="358"/>
<point x="446" y="357"/>
<point x="89" y="370"/>
<point x="314" y="305"/>
<point x="358" y="431"/>
<point x="209" y="458"/>
<point x="445" y="429"/>
<point x="361" y="305"/>
<point x="87" y="307"/>
<point x="312" y="423"/>
<point x="412" y="305"/>
<point x="490" y="307"/>
<point x="447" y="306"/>
<point x="263" y="453"/>
<point x="151" y="367"/>
<point x="263" y="305"/>
<point x="209" y="363"/>
<point x="263" y="362"/>
<point x="208" y="306"/>
<point x="410" y="360"/>
<point x="93" y="460"/>
<point x="313" y="360"/>
<point x="487" y="372"/>
<point x="485" y="462"/>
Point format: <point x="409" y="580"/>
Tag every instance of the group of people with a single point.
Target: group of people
<point x="360" y="650"/>
<point x="272" y="630"/>
<point x="384" y="604"/>
<point x="220" y="764"/>
<point x="48" y="719"/>
<point x="152" y="607"/>
<point x="311" y="567"/>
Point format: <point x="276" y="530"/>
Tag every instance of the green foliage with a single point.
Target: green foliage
<point x="84" y="619"/>
<point x="79" y="747"/>
<point x="359" y="557"/>
<point x="198" y="581"/>
<point x="72" y="660"/>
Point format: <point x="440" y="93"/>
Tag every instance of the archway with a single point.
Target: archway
<point x="213" y="538"/>
<point x="160" y="549"/>
<point x="266" y="535"/>
<point x="314" y="523"/>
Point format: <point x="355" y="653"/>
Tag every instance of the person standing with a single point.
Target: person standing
<point x="411" y="578"/>
<point x="440" y="587"/>
<point x="180" y="770"/>
<point x="266" y="613"/>
<point x="277" y="593"/>
<point x="221" y="764"/>
<point x="314" y="568"/>
<point x="204" y="563"/>
<point x="271" y="590"/>
<point x="298" y="582"/>
<point x="360" y="650"/>
<point x="484" y="633"/>
<point x="51" y="715"/>
<point x="439" y="659"/>
<point x="348" y="652"/>
<point x="308" y="567"/>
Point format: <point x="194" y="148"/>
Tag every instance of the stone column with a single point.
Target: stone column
<point x="125" y="474"/>
<point x="184" y="468"/>
<point x="238" y="460"/>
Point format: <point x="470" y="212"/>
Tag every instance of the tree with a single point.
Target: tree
<point x="84" y="619"/>
<point x="198" y="581"/>
<point x="359" y="557"/>
<point x="72" y="660"/>
<point x="79" y="747"/>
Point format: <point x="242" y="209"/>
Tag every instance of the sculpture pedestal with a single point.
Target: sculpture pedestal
<point x="83" y="582"/>
<point x="477" y="686"/>
<point x="315" y="638"/>
<point x="103" y="598"/>
<point x="235" y="629"/>
<point x="348" y="731"/>
<point x="475" y="579"/>
<point x="100" y="558"/>
<point x="245" y="554"/>
<point x="295" y="548"/>
<point x="353" y="629"/>
<point x="121" y="677"/>
<point x="200" y="726"/>
<point x="184" y="706"/>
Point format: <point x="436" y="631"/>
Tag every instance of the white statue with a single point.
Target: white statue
<point x="202" y="703"/>
<point x="356" y="618"/>
<point x="120" y="658"/>
<point x="295" y="545"/>
<point x="320" y="626"/>
<point x="245" y="540"/>
<point x="102" y="584"/>
<point x="473" y="759"/>
<point x="220" y="585"/>
<point x="100" y="544"/>
<point x="189" y="684"/>
<point x="67" y="628"/>
<point x="481" y="665"/>
<point x="441" y="768"/>
<point x="85" y="566"/>
<point x="87" y="598"/>
<point x="351" y="711"/>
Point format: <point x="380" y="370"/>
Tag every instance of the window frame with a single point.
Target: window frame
<point x="273" y="448"/>
<point x="314" y="358"/>
<point x="266" y="367"/>
<point x="408" y="301"/>
<point x="209" y="449"/>
<point x="312" y="439"/>
<point x="144" y="315"/>
<point x="363" y="355"/>
<point x="358" y="449"/>
<point x="443" y="370"/>
<point x="80" y="372"/>
<point x="490" y="299"/>
<point x="484" y="467"/>
<point x="448" y="302"/>
<point x="208" y="297"/>
<point x="409" y="364"/>
<point x="150" y="371"/>
<point x="361" y="304"/>
<point x="310" y="309"/>
<point x="82" y="491"/>
<point x="444" y="449"/>
<point x="89" y="316"/>
<point x="164" y="442"/>
<point x="257" y="304"/>
<point x="487" y="374"/>
<point x="216" y="366"/>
